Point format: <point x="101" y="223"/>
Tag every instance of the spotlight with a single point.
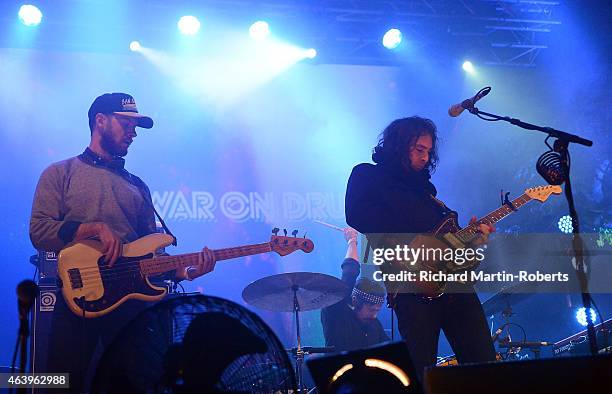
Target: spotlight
<point x="581" y="316"/>
<point x="135" y="46"/>
<point x="565" y="224"/>
<point x="189" y="25"/>
<point x="380" y="369"/>
<point x="392" y="39"/>
<point x="30" y="15"/>
<point x="259" y="30"/>
<point x="468" y="67"/>
<point x="310" y="53"/>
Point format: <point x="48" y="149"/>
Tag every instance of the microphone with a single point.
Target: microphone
<point x="456" y="109"/>
<point x="27" y="291"/>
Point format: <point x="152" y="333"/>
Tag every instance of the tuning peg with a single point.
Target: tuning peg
<point x="275" y="230"/>
<point x="294" y="233"/>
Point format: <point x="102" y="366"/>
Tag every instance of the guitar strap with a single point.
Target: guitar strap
<point x="116" y="166"/>
<point x="440" y="203"/>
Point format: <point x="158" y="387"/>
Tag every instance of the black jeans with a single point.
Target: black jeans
<point x="74" y="340"/>
<point x="459" y="315"/>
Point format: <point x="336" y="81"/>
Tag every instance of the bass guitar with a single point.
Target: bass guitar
<point x="91" y="288"/>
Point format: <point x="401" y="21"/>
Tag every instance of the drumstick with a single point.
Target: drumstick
<point x="330" y="225"/>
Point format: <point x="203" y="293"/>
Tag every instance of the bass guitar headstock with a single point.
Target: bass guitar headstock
<point x="284" y="245"/>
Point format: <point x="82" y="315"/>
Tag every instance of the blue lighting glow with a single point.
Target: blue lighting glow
<point x="565" y="224"/>
<point x="259" y="30"/>
<point x="30" y="15"/>
<point x="135" y="46"/>
<point x="581" y="316"/>
<point x="468" y="67"/>
<point x="189" y="25"/>
<point x="392" y="39"/>
<point x="310" y="53"/>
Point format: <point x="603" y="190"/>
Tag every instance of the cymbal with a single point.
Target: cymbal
<point x="508" y="297"/>
<point x="314" y="291"/>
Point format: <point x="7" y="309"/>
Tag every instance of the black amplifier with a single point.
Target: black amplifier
<point x="578" y="344"/>
<point x="46" y="263"/>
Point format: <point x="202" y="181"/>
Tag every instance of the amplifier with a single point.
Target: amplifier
<point x="46" y="263"/>
<point x="42" y="312"/>
<point x="578" y="344"/>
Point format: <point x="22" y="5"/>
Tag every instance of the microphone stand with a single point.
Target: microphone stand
<point x="562" y="146"/>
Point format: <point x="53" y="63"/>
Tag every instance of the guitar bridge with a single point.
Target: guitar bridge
<point x="76" y="282"/>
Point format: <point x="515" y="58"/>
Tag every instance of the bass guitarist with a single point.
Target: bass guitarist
<point x="93" y="196"/>
<point x="395" y="196"/>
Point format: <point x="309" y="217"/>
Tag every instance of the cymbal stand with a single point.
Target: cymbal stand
<point x="299" y="354"/>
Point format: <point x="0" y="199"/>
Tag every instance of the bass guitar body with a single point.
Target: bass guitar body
<point x="92" y="289"/>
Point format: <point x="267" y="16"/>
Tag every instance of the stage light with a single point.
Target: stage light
<point x="581" y="316"/>
<point x="380" y="369"/>
<point x="565" y="224"/>
<point x="135" y="46"/>
<point x="392" y="39"/>
<point x="259" y="30"/>
<point x="468" y="67"/>
<point x="189" y="25"/>
<point x="389" y="367"/>
<point x="310" y="53"/>
<point x="341" y="372"/>
<point x="30" y="15"/>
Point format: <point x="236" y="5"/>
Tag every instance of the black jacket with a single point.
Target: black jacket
<point x="341" y="327"/>
<point x="380" y="199"/>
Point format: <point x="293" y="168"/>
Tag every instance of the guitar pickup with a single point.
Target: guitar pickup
<point x="453" y="241"/>
<point x="76" y="282"/>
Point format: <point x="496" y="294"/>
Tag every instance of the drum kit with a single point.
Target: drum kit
<point x="296" y="292"/>
<point x="305" y="291"/>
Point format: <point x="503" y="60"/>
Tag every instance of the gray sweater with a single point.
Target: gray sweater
<point x="72" y="192"/>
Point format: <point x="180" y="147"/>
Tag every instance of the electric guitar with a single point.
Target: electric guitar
<point x="447" y="234"/>
<point x="93" y="289"/>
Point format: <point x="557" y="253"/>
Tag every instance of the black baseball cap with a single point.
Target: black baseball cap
<point x="120" y="104"/>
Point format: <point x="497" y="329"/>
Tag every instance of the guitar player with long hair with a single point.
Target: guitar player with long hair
<point x="395" y="196"/>
<point x="92" y="196"/>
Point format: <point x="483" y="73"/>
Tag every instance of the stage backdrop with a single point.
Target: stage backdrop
<point x="227" y="165"/>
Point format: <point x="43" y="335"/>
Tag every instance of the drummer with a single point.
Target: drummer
<point x="352" y="323"/>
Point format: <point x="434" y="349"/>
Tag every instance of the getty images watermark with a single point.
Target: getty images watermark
<point x="427" y="264"/>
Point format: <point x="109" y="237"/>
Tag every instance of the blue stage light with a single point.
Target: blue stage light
<point x="189" y="25"/>
<point x="468" y="67"/>
<point x="310" y="53"/>
<point x="259" y="30"/>
<point x="565" y="224"/>
<point x="135" y="46"/>
<point x="581" y="316"/>
<point x="30" y="15"/>
<point x="392" y="39"/>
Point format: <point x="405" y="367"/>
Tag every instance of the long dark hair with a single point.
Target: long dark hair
<point x="396" y="139"/>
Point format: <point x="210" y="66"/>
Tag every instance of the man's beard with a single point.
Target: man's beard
<point x="110" y="146"/>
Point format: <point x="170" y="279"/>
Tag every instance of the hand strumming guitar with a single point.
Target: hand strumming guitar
<point x="111" y="243"/>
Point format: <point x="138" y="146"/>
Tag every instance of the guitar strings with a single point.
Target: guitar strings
<point x="132" y="267"/>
